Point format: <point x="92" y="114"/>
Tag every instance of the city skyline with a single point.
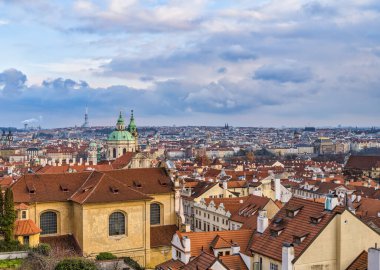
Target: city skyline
<point x="267" y="63"/>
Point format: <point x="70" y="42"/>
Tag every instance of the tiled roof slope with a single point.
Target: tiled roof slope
<point x="108" y="186"/>
<point x="362" y="162"/>
<point x="26" y="227"/>
<point x="162" y="235"/>
<point x="233" y="262"/>
<point x="360" y="263"/>
<point x="271" y="246"/>
<point x="204" y="240"/>
<point x="170" y="265"/>
<point x="202" y="262"/>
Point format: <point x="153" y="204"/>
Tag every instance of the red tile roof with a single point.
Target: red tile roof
<point x="271" y="246"/>
<point x="26" y="227"/>
<point x="170" y="265"/>
<point x="202" y="262"/>
<point x="162" y="235"/>
<point x="203" y="240"/>
<point x="233" y="262"/>
<point x="360" y="263"/>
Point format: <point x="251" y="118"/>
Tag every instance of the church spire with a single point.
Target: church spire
<point x="120" y="122"/>
<point x="132" y="125"/>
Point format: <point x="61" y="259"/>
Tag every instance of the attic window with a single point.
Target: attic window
<point x="292" y="211"/>
<point x="276" y="231"/>
<point x="163" y="182"/>
<point x="31" y="188"/>
<point x="298" y="238"/>
<point x="114" y="189"/>
<point x="85" y="189"/>
<point x="315" y="219"/>
<point x="137" y="184"/>
<point x="64" y="187"/>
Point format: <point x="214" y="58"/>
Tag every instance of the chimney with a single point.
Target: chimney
<point x="374" y="258"/>
<point x="277" y="188"/>
<point x="186" y="243"/>
<point x="287" y="256"/>
<point x="185" y="227"/>
<point x="235" y="249"/>
<point x="262" y="221"/>
<point x="67" y="161"/>
<point x="331" y="202"/>
<point x="80" y="161"/>
<point x="225" y="186"/>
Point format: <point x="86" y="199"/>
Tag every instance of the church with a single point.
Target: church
<point x="122" y="139"/>
<point x="128" y="212"/>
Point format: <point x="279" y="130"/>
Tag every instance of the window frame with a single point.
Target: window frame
<point x="159" y="213"/>
<point x="41" y="220"/>
<point x="125" y="224"/>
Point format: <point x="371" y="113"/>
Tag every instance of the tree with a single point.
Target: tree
<point x="1" y="211"/>
<point x="9" y="216"/>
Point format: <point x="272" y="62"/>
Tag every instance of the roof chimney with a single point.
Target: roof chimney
<point x="331" y="202"/>
<point x="287" y="256"/>
<point x="262" y="221"/>
<point x="235" y="249"/>
<point x="225" y="186"/>
<point x="277" y="188"/>
<point x="374" y="258"/>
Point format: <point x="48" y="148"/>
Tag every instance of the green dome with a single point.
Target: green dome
<point x="120" y="135"/>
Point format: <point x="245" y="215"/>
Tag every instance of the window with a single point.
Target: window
<point x="117" y="224"/>
<point x="178" y="254"/>
<point x="124" y="151"/>
<point x="23" y="214"/>
<point x="273" y="266"/>
<point x="114" y="153"/>
<point x="155" y="214"/>
<point x="48" y="223"/>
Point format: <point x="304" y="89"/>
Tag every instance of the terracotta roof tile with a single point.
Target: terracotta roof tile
<point x="360" y="263"/>
<point x="233" y="262"/>
<point x="162" y="235"/>
<point x="26" y="227"/>
<point x="202" y="262"/>
<point x="271" y="246"/>
<point x="203" y="240"/>
<point x="170" y="265"/>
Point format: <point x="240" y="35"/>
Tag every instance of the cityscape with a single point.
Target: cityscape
<point x="201" y="135"/>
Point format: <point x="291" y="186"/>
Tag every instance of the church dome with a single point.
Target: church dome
<point x="120" y="135"/>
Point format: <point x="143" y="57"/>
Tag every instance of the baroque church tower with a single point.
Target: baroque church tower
<point x="122" y="140"/>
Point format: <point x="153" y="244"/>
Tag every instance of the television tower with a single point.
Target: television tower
<point x="86" y="124"/>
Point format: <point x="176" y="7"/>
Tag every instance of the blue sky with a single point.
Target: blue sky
<point x="248" y="63"/>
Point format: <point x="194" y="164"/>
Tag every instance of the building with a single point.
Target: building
<point x="122" y="139"/>
<point x="125" y="212"/>
<point x="224" y="214"/>
<point x="310" y="235"/>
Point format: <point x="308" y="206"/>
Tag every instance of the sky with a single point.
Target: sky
<point x="200" y="62"/>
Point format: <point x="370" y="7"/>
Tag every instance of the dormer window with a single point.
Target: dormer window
<point x="292" y="210"/>
<point x="114" y="189"/>
<point x="23" y="214"/>
<point x="315" y="219"/>
<point x="64" y="187"/>
<point x="31" y="188"/>
<point x="163" y="182"/>
<point x="276" y="231"/>
<point x="137" y="184"/>
<point x="299" y="238"/>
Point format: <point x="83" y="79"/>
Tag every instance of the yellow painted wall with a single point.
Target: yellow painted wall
<point x="355" y="237"/>
<point x="271" y="208"/>
<point x="159" y="255"/>
<point x="34" y="240"/>
<point x="322" y="251"/>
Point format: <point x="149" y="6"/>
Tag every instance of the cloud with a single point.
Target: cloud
<point x="12" y="80"/>
<point x="283" y="73"/>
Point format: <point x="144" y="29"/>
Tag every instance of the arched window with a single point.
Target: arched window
<point x="117" y="223"/>
<point x="114" y="153"/>
<point x="48" y="223"/>
<point x="155" y="214"/>
<point x="124" y="151"/>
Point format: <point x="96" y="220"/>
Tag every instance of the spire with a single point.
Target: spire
<point x="132" y="125"/>
<point x="120" y="122"/>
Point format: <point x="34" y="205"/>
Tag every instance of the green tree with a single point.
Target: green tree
<point x="1" y="211"/>
<point x="9" y="216"/>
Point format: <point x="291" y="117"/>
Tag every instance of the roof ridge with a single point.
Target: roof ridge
<point x="88" y="178"/>
<point x="93" y="189"/>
